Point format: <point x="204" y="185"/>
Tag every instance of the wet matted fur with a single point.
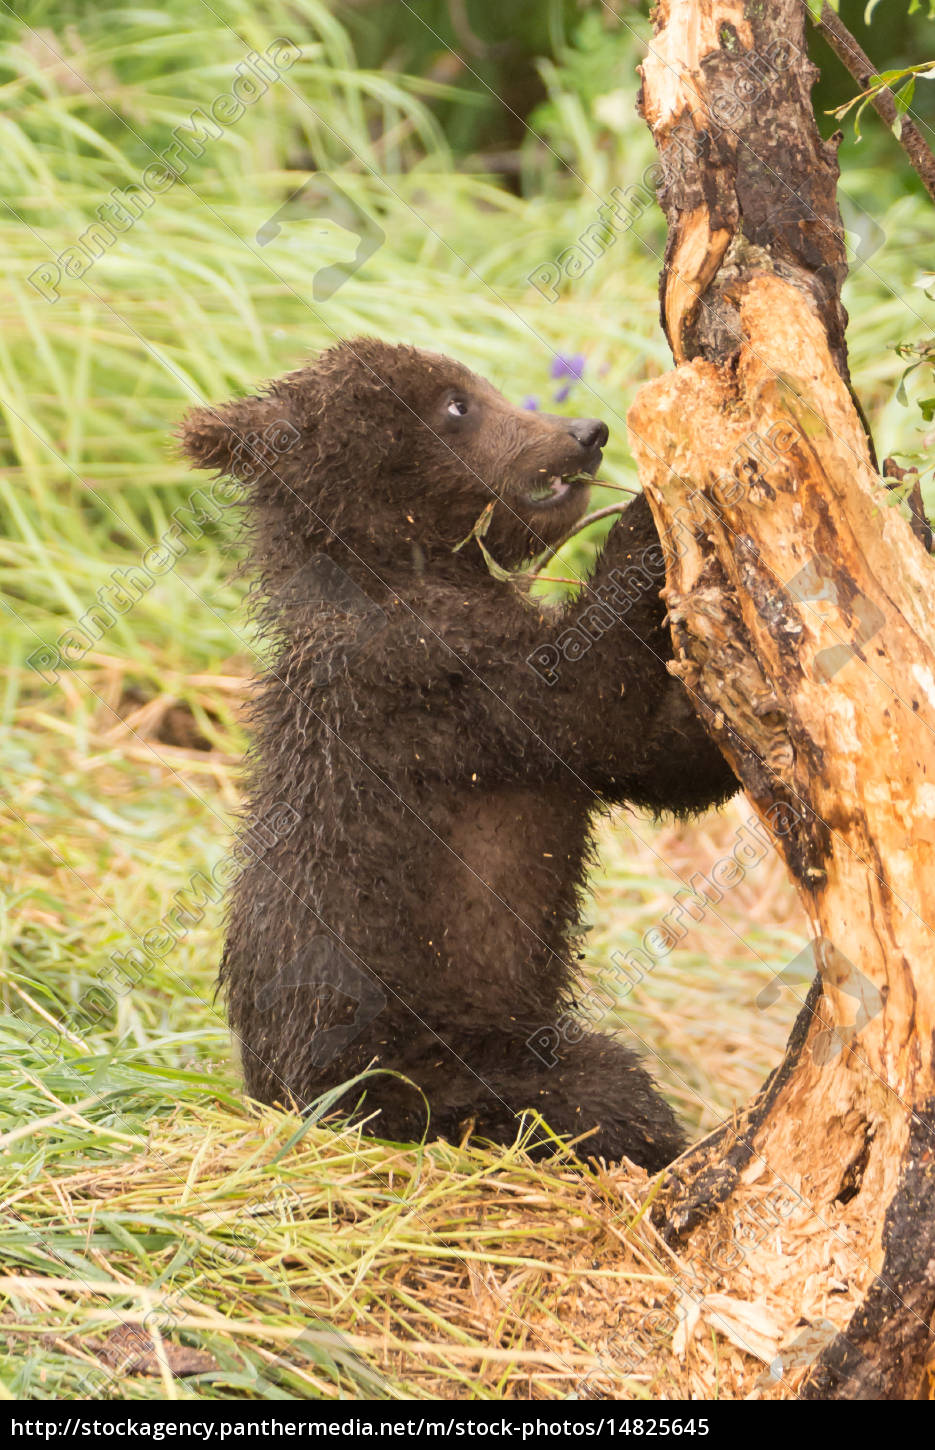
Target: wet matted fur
<point x="443" y="744"/>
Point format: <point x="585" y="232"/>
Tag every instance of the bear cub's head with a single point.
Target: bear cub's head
<point x="394" y="450"/>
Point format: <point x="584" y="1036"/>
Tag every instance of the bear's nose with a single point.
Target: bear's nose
<point x="589" y="432"/>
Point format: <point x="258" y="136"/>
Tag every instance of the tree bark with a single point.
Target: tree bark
<point x="800" y="610"/>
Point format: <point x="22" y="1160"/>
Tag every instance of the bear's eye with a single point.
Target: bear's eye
<point x="457" y="407"/>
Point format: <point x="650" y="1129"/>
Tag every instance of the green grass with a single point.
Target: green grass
<point x="129" y="1163"/>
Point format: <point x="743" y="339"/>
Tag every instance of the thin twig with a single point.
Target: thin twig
<point x="861" y="67"/>
<point x="604" y="513"/>
<point x="616" y="487"/>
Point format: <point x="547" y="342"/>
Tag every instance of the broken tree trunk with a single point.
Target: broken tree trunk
<point x="800" y="605"/>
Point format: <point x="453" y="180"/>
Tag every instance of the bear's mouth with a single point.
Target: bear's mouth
<point x="557" y="488"/>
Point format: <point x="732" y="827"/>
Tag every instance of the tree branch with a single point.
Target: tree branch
<point x="800" y="619"/>
<point x="858" y="63"/>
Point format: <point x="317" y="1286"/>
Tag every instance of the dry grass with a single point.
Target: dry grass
<point x="318" y="1264"/>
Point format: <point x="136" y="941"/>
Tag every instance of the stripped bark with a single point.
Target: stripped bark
<point x="800" y="609"/>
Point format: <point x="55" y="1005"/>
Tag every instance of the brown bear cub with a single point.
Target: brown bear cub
<point x="443" y="744"/>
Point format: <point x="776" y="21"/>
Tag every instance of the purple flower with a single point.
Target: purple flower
<point x="568" y="365"/>
<point x="531" y="405"/>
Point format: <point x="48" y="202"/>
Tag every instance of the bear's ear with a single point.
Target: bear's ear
<point x="243" y="438"/>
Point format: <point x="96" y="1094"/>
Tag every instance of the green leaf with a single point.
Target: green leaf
<point x="860" y="110"/>
<point x="901" y="394"/>
<point x="481" y="525"/>
<point x="903" y="97"/>
<point x="886" y="78"/>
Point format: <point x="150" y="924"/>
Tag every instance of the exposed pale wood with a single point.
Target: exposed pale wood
<point x="800" y="604"/>
<point x="692" y="267"/>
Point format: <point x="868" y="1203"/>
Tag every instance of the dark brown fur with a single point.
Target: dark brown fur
<point x="424" y="912"/>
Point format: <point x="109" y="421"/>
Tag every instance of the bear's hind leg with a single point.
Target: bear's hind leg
<point x="596" y="1082"/>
